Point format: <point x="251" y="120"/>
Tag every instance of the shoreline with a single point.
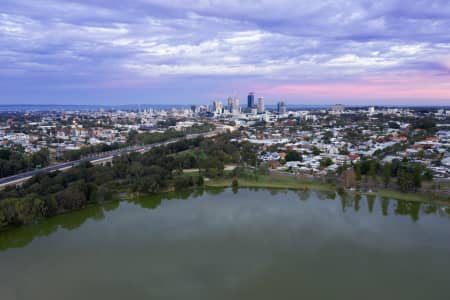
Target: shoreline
<point x="269" y="182"/>
<point x="284" y="182"/>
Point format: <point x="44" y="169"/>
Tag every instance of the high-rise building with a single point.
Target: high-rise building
<point x="236" y="106"/>
<point x="217" y="107"/>
<point x="250" y="100"/>
<point x="230" y="104"/>
<point x="261" y="107"/>
<point x="233" y="105"/>
<point x="281" y="108"/>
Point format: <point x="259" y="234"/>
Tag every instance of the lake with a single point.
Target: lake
<point x="225" y="244"/>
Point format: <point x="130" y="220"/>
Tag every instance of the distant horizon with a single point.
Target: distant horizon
<point x="271" y="105"/>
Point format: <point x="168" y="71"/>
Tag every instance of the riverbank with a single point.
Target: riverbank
<point x="249" y="179"/>
<point x="272" y="181"/>
<point x="278" y="181"/>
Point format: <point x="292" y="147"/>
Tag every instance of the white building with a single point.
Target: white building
<point x="217" y="107"/>
<point x="261" y="106"/>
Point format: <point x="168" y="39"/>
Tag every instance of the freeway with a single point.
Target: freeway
<point x="14" y="179"/>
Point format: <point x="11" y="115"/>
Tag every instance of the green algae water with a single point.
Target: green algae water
<point x="225" y="244"/>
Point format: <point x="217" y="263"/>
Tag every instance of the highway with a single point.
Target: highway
<point x="14" y="179"/>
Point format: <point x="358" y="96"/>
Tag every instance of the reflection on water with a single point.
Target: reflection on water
<point x="218" y="244"/>
<point x="20" y="237"/>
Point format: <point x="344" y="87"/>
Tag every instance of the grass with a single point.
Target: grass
<point x="273" y="181"/>
<point x="277" y="181"/>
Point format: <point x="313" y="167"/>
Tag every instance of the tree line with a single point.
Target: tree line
<point x="407" y="175"/>
<point x="158" y="170"/>
<point x="13" y="161"/>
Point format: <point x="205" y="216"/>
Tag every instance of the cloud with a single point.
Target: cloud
<point x="299" y="43"/>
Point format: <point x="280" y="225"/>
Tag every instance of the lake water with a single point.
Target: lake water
<point x="253" y="244"/>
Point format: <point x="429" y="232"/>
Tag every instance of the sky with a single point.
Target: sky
<point x="385" y="52"/>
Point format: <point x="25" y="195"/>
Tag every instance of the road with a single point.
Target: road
<point x="14" y="179"/>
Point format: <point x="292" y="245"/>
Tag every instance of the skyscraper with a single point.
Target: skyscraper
<point x="233" y="105"/>
<point x="235" y="110"/>
<point x="281" y="108"/>
<point x="230" y="104"/>
<point x="217" y="107"/>
<point x="261" y="107"/>
<point x="250" y="100"/>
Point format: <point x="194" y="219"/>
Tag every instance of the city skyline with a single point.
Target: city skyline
<point x="155" y="52"/>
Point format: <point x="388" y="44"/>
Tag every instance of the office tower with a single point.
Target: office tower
<point x="250" y="100"/>
<point x="281" y="108"/>
<point x="235" y="109"/>
<point x="261" y="108"/>
<point x="217" y="107"/>
<point x="230" y="104"/>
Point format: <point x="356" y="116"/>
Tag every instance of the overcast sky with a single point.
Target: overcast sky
<point x="182" y="52"/>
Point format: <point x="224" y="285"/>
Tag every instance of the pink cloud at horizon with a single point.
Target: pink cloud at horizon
<point x="374" y="88"/>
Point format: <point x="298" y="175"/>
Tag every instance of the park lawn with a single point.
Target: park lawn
<point x="273" y="181"/>
<point x="276" y="181"/>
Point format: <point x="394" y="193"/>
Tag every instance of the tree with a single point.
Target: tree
<point x="248" y="153"/>
<point x="263" y="169"/>
<point x="373" y="170"/>
<point x="235" y="185"/>
<point x="417" y="177"/>
<point x="428" y="174"/>
<point x="341" y="169"/>
<point x="74" y="197"/>
<point x="327" y="136"/>
<point x="200" y="181"/>
<point x="325" y="162"/>
<point x="315" y="150"/>
<point x="293" y="156"/>
<point x="102" y="194"/>
<point x="424" y="123"/>
<point x="40" y="158"/>
<point x="181" y="183"/>
<point x="3" y="221"/>
<point x="394" y="125"/>
<point x="357" y="168"/>
<point x="386" y="176"/>
<point x="405" y="180"/>
<point x="420" y="154"/>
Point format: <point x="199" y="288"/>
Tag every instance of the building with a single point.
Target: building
<point x="250" y="100"/>
<point x="281" y="108"/>
<point x="230" y="104"/>
<point x="261" y="107"/>
<point x="233" y="105"/>
<point x="236" y="103"/>
<point x="337" y="109"/>
<point x="217" y="107"/>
